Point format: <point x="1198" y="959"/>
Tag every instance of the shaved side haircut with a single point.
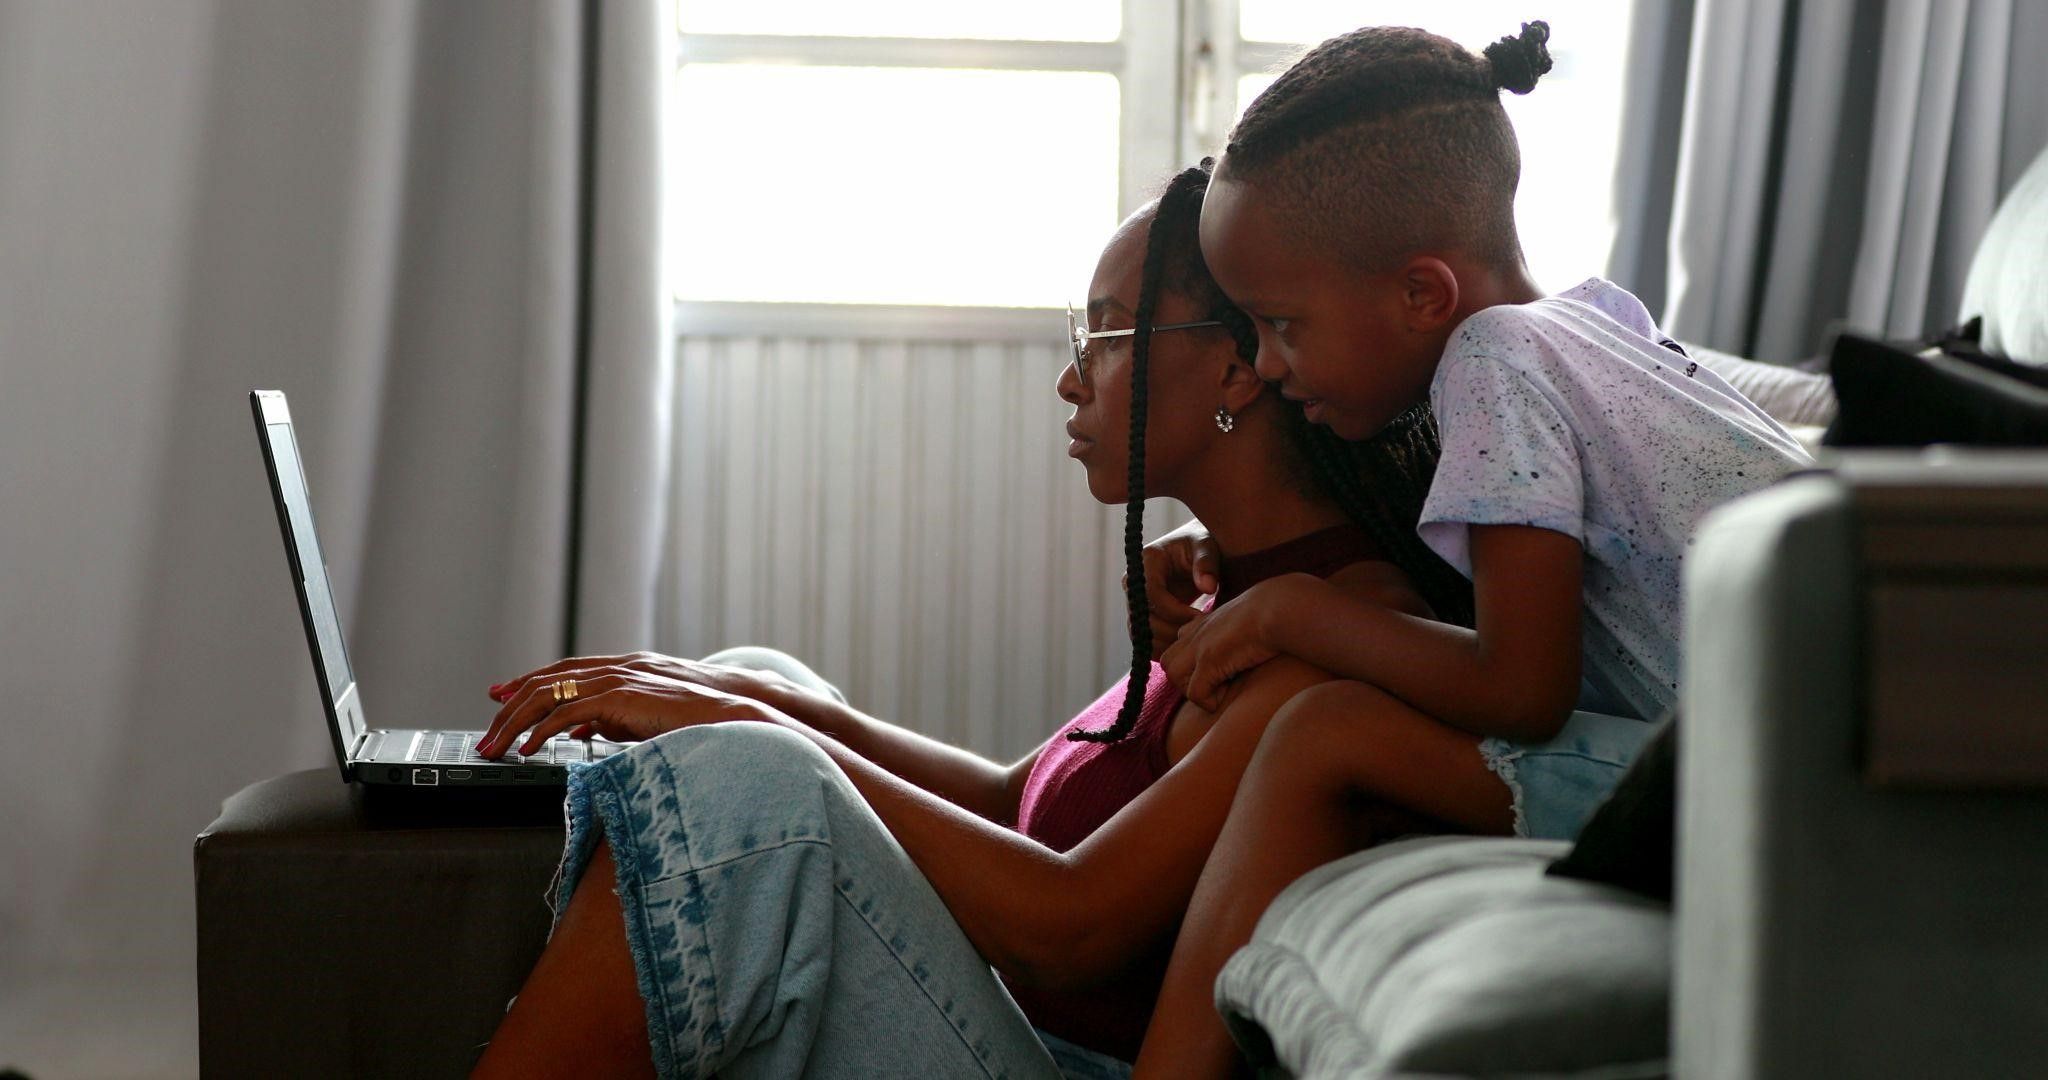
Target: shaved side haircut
<point x="1388" y="141"/>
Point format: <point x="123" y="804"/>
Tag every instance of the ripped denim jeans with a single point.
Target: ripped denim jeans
<point x="778" y="930"/>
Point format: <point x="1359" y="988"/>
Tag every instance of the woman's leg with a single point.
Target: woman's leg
<point x="1334" y="759"/>
<point x="583" y="984"/>
<point x="763" y="658"/>
<point x="771" y="924"/>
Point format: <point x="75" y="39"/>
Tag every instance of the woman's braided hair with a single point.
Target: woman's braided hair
<point x="1379" y="483"/>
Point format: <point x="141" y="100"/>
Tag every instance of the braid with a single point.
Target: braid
<point x="1177" y="205"/>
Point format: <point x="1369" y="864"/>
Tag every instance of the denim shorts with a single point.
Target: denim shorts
<point x="1557" y="784"/>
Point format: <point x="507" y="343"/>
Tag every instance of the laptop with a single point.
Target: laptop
<point x="412" y="757"/>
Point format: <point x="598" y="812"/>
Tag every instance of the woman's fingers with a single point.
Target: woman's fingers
<point x="534" y="702"/>
<point x="633" y="708"/>
<point x="513" y="702"/>
<point x="659" y="693"/>
<point x="1181" y="567"/>
<point x="569" y="665"/>
<point x="610" y="711"/>
<point x="1205" y="564"/>
<point x="530" y="686"/>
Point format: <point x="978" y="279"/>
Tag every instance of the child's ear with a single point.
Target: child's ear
<point x="1429" y="293"/>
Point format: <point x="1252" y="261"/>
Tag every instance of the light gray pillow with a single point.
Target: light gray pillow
<point x="1453" y="956"/>
<point x="1792" y="397"/>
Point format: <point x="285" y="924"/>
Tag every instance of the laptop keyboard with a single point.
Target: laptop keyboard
<point x="459" y="748"/>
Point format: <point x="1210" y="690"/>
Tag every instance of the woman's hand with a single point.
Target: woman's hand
<point x="1180" y="568"/>
<point x="617" y="702"/>
<point x="1236" y="637"/>
<point x="745" y="682"/>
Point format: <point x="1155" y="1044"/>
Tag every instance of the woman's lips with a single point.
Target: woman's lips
<point x="1079" y="444"/>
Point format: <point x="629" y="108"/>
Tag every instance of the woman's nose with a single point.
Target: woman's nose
<point x="1069" y="385"/>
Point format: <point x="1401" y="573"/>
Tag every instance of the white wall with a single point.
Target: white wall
<point x="99" y="131"/>
<point x="153" y="250"/>
<point x="99" y="107"/>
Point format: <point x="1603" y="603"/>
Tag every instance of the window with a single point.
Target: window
<point x="933" y="154"/>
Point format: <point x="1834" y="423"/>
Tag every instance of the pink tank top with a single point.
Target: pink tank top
<point x="1076" y="786"/>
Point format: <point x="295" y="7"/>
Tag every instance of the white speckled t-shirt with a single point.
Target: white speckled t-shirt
<point x="1571" y="414"/>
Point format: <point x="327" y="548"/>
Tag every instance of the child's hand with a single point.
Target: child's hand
<point x="1236" y="637"/>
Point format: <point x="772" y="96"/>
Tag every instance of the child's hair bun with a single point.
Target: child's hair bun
<point x="1518" y="61"/>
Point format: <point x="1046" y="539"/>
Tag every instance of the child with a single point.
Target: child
<point x="1363" y="216"/>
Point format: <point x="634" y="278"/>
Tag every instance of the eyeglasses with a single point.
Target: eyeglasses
<point x="1079" y="335"/>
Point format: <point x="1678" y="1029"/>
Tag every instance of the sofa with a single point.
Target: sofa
<point x="1863" y="831"/>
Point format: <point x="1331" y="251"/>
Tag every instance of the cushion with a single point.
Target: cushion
<point x="1629" y="840"/>
<point x="1792" y="397"/>
<point x="2008" y="281"/>
<point x="1453" y="955"/>
<point x="1890" y="397"/>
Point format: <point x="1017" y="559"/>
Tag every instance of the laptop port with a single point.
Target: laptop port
<point x="425" y="777"/>
<point x="395" y="775"/>
<point x="459" y="774"/>
<point x="523" y="774"/>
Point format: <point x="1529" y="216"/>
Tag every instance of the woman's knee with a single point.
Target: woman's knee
<point x="751" y="748"/>
<point x="775" y="662"/>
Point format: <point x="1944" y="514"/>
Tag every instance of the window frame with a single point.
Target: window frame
<point x="1145" y="62"/>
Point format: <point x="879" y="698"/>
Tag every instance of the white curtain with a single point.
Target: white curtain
<point x="436" y="227"/>
<point x="1835" y="162"/>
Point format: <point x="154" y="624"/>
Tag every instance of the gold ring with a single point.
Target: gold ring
<point x="565" y="691"/>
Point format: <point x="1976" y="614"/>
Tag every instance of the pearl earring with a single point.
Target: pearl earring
<point x="1224" y="421"/>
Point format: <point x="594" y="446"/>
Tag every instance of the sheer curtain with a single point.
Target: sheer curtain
<point x="436" y="227"/>
<point x="1832" y="161"/>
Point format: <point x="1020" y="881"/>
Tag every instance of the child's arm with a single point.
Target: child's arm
<point x="1515" y="675"/>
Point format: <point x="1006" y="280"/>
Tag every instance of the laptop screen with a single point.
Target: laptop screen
<point x="323" y="622"/>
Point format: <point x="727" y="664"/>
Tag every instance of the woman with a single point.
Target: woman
<point x="821" y="892"/>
